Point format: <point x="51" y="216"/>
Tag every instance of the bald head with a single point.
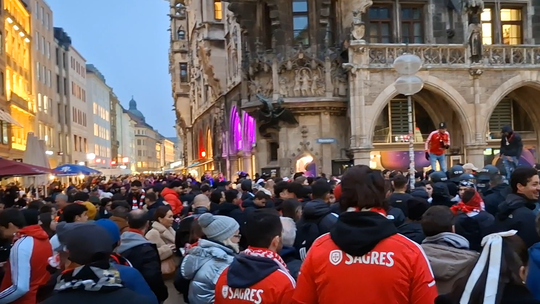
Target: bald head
<point x="201" y="200"/>
<point x="138" y="219"/>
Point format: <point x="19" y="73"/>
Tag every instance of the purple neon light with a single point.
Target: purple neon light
<point x="249" y="123"/>
<point x="236" y="130"/>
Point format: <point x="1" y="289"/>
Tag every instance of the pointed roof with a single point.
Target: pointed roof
<point x="133" y="109"/>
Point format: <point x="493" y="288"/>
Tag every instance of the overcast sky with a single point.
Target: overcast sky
<point x="128" y="41"/>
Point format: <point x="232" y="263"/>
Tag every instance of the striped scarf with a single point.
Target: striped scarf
<point x="138" y="204"/>
<point x="266" y="253"/>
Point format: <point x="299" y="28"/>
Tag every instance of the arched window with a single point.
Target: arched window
<point x="218" y="10"/>
<point x="181" y="34"/>
<point x="300" y="13"/>
<point x="180" y="10"/>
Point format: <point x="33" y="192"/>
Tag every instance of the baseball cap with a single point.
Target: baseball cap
<point x="470" y="166"/>
<point x="442" y="125"/>
<point x="87" y="243"/>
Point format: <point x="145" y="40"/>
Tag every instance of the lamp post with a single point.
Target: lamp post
<point x="409" y="84"/>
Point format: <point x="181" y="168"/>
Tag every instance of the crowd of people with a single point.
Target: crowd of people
<point x="466" y="236"/>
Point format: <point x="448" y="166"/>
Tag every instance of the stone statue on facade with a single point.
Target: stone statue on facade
<point x="473" y="9"/>
<point x="269" y="116"/>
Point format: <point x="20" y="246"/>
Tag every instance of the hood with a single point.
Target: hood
<point x="502" y="188"/>
<point x="512" y="203"/>
<point x="246" y="271"/>
<point x="420" y="192"/>
<point x="287" y="253"/>
<point x="448" y="262"/>
<point x="34" y="231"/>
<point x="169" y="191"/>
<point x="440" y="189"/>
<point x="129" y="240"/>
<point x="226" y="208"/>
<point x="534" y="254"/>
<point x="204" y="252"/>
<point x="315" y="209"/>
<point x="411" y="229"/>
<point x="507" y="129"/>
<point x="357" y="233"/>
<point x="248" y="202"/>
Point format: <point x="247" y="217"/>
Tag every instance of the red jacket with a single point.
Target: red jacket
<point x="173" y="199"/>
<point x="436" y="141"/>
<point x="28" y="259"/>
<point x="396" y="271"/>
<point x="275" y="288"/>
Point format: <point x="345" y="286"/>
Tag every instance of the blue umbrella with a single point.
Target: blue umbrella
<point x="71" y="170"/>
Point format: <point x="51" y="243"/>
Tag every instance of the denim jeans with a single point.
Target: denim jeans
<point x="509" y="166"/>
<point x="433" y="158"/>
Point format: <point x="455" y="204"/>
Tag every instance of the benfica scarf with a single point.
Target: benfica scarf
<point x="266" y="253"/>
<point x="138" y="204"/>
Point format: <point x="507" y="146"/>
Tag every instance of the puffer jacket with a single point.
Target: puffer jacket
<point x="203" y="265"/>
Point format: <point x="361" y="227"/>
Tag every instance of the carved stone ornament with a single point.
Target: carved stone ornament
<point x="302" y="76"/>
<point x="208" y="68"/>
<point x="358" y="27"/>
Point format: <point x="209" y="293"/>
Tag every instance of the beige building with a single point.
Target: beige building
<point x="329" y="63"/>
<point x="169" y="152"/>
<point x="80" y="139"/>
<point x="43" y="85"/>
<point x="6" y="120"/>
<point x="61" y="74"/>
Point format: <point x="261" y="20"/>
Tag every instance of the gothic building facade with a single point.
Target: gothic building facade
<point x="326" y="65"/>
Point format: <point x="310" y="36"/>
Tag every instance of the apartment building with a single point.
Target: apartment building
<point x="99" y="94"/>
<point x="75" y="87"/>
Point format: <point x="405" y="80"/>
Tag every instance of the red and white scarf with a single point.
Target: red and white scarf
<point x="138" y="204"/>
<point x="266" y="253"/>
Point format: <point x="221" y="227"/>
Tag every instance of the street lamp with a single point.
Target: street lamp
<point x="409" y="84"/>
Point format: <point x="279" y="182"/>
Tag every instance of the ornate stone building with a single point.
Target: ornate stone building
<point x="329" y="63"/>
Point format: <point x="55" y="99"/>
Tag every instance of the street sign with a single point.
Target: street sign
<point x="326" y="140"/>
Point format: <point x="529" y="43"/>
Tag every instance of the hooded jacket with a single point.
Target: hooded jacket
<point x="517" y="213"/>
<point x="255" y="280"/>
<point x="28" y="260"/>
<point x="365" y="242"/>
<point x="533" y="278"/>
<point x="173" y="199"/>
<point x="203" y="265"/>
<point x="511" y="145"/>
<point x="495" y="196"/>
<point x="144" y="257"/>
<point x="289" y="256"/>
<point x="450" y="259"/>
<point x="413" y="231"/>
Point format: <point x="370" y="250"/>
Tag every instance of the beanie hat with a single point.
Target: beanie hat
<point x="111" y="227"/>
<point x="91" y="210"/>
<point x="218" y="227"/>
<point x="88" y="243"/>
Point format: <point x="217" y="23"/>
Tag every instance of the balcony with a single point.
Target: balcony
<point x="179" y="46"/>
<point x="455" y="55"/>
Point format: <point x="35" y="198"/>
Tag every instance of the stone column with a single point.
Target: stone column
<point x="475" y="154"/>
<point x="233" y="164"/>
<point x="362" y="156"/>
<point x="247" y="164"/>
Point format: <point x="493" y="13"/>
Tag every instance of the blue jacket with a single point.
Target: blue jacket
<point x="132" y="279"/>
<point x="533" y="278"/>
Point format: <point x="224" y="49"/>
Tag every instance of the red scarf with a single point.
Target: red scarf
<point x="475" y="204"/>
<point x="136" y="231"/>
<point x="266" y="253"/>
<point x="138" y="204"/>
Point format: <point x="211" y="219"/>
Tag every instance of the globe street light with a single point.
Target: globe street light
<point x="409" y="84"/>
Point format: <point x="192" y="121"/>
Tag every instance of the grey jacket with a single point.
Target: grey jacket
<point x="203" y="265"/>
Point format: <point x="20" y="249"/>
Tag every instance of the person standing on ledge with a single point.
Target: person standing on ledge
<point x="511" y="149"/>
<point x="437" y="143"/>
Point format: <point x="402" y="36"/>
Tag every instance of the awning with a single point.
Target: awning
<point x="5" y="116"/>
<point x="199" y="163"/>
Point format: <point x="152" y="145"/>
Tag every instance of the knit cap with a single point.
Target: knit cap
<point x="91" y="210"/>
<point x="218" y="227"/>
<point x="112" y="229"/>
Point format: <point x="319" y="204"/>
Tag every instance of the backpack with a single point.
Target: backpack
<point x="115" y="258"/>
<point x="307" y="231"/>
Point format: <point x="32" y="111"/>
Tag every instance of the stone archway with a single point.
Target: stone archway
<point x="432" y="84"/>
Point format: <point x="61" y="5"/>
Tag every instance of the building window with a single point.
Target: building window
<point x="509" y="23"/>
<point x="380" y="24"/>
<point x="218" y="10"/>
<point x="181" y="34"/>
<point x="1" y="44"/>
<point x="2" y="84"/>
<point x="5" y="132"/>
<point x="184" y="77"/>
<point x="411" y="25"/>
<point x="300" y="22"/>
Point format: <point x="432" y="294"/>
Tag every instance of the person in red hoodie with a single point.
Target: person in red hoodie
<point x="26" y="268"/>
<point x="437" y="143"/>
<point x="363" y="259"/>
<point x="171" y="195"/>
<point x="258" y="275"/>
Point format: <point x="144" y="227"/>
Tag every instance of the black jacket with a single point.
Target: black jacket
<point x="184" y="227"/>
<point x="511" y="145"/>
<point x="144" y="257"/>
<point x="399" y="200"/>
<point x="317" y="219"/>
<point x="288" y="254"/>
<point x="234" y="211"/>
<point x="413" y="231"/>
<point x="121" y="295"/>
<point x="511" y="294"/>
<point x="517" y="213"/>
<point x="495" y="196"/>
<point x="474" y="228"/>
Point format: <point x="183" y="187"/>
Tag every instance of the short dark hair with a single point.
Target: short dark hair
<point x="205" y="188"/>
<point x="70" y="212"/>
<point x="362" y="187"/>
<point x="437" y="219"/>
<point x="31" y="216"/>
<point x="14" y="216"/>
<point x="522" y="176"/>
<point x="296" y="188"/>
<point x="161" y="212"/>
<point x="400" y="182"/>
<point x="320" y="188"/>
<point x="80" y="196"/>
<point x="136" y="183"/>
<point x="261" y="195"/>
<point x="231" y="195"/>
<point x="262" y="226"/>
<point x="138" y="219"/>
<point x="35" y="204"/>
<point x="215" y="196"/>
<point x="152" y="196"/>
<point x="120" y="211"/>
<point x="280" y="187"/>
<point x="174" y="184"/>
<point x="496" y="179"/>
<point x="416" y="207"/>
<point x="116" y="204"/>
